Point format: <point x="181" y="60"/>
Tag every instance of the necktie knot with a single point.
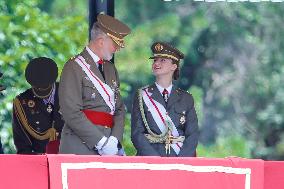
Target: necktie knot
<point x="165" y="92"/>
<point x="165" y="95"/>
<point x="100" y="67"/>
<point x="100" y="61"/>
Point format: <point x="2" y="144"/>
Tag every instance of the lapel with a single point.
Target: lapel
<point x="174" y="97"/>
<point x="92" y="63"/>
<point x="156" y="95"/>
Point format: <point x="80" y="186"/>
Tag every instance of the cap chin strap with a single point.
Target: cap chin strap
<point x="43" y="96"/>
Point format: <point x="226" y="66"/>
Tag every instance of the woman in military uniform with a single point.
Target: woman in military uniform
<point x="37" y="122"/>
<point x="163" y="119"/>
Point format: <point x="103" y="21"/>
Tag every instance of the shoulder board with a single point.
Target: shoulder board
<point x="145" y="87"/>
<point x="72" y="58"/>
<point x="179" y="90"/>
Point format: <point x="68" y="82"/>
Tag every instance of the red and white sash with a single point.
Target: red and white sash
<point x="161" y="117"/>
<point x="105" y="91"/>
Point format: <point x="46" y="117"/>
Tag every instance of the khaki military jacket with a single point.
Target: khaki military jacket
<point x="77" y="93"/>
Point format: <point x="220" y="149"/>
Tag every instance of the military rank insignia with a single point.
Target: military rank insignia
<point x="182" y="118"/>
<point x="49" y="108"/>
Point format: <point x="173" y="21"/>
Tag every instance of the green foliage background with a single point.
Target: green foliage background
<point x="233" y="66"/>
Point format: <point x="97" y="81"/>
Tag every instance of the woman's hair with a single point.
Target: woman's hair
<point x="176" y="72"/>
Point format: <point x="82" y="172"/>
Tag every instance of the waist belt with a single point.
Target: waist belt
<point x="99" y="118"/>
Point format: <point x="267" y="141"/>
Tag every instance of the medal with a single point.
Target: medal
<point x="115" y="90"/>
<point x="93" y="96"/>
<point x="182" y="118"/>
<point x="49" y="108"/>
<point x="31" y="103"/>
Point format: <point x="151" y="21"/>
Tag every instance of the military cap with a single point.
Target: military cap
<point x="115" y="29"/>
<point x="41" y="72"/>
<point x="165" y="50"/>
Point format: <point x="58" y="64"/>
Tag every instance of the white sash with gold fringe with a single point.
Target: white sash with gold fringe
<point x="161" y="117"/>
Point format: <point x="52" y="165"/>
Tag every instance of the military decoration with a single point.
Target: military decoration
<point x="49" y="108"/>
<point x="182" y="119"/>
<point x="115" y="89"/>
<point x="31" y="103"/>
<point x="93" y="96"/>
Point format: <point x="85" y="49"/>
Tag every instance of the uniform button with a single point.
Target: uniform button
<point x="106" y="127"/>
<point x="38" y="128"/>
<point x="84" y="142"/>
<point x="37" y="122"/>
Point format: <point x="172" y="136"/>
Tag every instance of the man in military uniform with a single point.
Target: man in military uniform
<point x="89" y="94"/>
<point x="37" y="122"/>
<point x="163" y="119"/>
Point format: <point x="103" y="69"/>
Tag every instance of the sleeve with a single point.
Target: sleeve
<point x="21" y="138"/>
<point x="71" y="104"/>
<point x="119" y="114"/>
<point x="138" y="138"/>
<point x="191" y="131"/>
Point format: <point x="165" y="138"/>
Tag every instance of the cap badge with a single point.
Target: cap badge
<point x="159" y="47"/>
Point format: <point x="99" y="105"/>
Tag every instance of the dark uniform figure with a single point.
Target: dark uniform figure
<point x="1" y="149"/>
<point x="163" y="119"/>
<point x="37" y="123"/>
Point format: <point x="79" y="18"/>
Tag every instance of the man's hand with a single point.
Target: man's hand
<point x="110" y="147"/>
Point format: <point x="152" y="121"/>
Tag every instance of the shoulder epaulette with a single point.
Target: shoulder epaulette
<point x="145" y="87"/>
<point x="73" y="57"/>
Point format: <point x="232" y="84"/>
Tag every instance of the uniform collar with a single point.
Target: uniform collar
<point x="93" y="55"/>
<point x="161" y="89"/>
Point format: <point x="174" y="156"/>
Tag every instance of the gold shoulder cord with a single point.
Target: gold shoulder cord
<point x="152" y="137"/>
<point x="21" y="116"/>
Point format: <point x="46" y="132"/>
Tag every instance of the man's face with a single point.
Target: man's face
<point x="109" y="48"/>
<point x="163" y="66"/>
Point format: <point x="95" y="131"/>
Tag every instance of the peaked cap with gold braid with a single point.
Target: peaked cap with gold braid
<point x="165" y="50"/>
<point x="114" y="28"/>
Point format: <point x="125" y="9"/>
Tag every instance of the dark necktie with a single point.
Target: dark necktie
<point x="100" y="66"/>
<point x="165" y="95"/>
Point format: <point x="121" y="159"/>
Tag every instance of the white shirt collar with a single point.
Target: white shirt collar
<point x="161" y="89"/>
<point x="93" y="55"/>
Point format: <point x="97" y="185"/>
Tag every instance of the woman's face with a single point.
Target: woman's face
<point x="163" y="67"/>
